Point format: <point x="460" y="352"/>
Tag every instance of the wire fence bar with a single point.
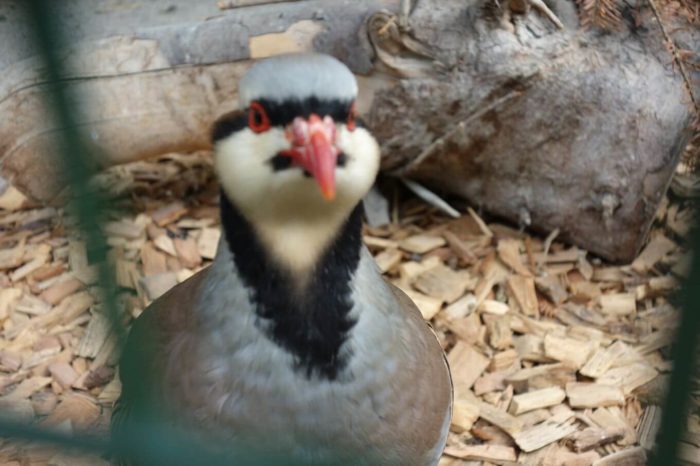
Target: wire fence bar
<point x="88" y="204"/>
<point x="674" y="420"/>
<point x="156" y="442"/>
<point x="153" y="443"/>
<point x="159" y="443"/>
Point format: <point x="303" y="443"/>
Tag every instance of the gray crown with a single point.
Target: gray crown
<point x="297" y="76"/>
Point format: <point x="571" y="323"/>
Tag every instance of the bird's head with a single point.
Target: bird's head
<point x="294" y="150"/>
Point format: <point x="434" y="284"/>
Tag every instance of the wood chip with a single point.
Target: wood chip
<point x="47" y="271"/>
<point x="649" y="426"/>
<point x="543" y="376"/>
<point x="98" y="377"/>
<point x="44" y="403"/>
<point x="630" y="457"/>
<point x="168" y="214"/>
<point x="388" y="259"/>
<point x="544" y="433"/>
<point x="613" y="418"/>
<point x="523" y="290"/>
<point x="66" y="311"/>
<point x="593" y="395"/>
<point x="63" y="373"/>
<point x="503" y="360"/>
<point x="9" y="361"/>
<point x="34" y="264"/>
<point x="8" y="298"/>
<point x="618" y="304"/>
<point x="411" y="269"/>
<point x="127" y="274"/>
<point x="427" y="305"/>
<point x="153" y="261"/>
<point x="509" y="253"/>
<point x="585" y="291"/>
<point x="59" y="291"/>
<point x="124" y="228"/>
<point x="490" y="306"/>
<point x="97" y="332"/>
<point x="461" y="308"/>
<point x="608" y="274"/>
<point x="443" y="283"/>
<point x="498" y="454"/>
<point x="459" y="248"/>
<point x="490" y="382"/>
<point x="536" y="399"/>
<point x="12" y="199"/>
<point x="27" y="388"/>
<point x="78" y="262"/>
<point x="187" y="252"/>
<point x="208" y="242"/>
<point x="466" y="365"/>
<point x="13" y="257"/>
<point x="165" y="244"/>
<point x="594" y="437"/>
<point x="80" y="410"/>
<point x="629" y="377"/>
<point x="482" y="225"/>
<point x="657" y="248"/>
<point x="463" y="416"/>
<point x="530" y="348"/>
<point x="499" y="332"/>
<point x="508" y="423"/>
<point x="420" y="244"/>
<point x="157" y="285"/>
<point x="603" y="359"/>
<point x="551" y="286"/>
<point x="662" y="285"/>
<point x="557" y="455"/>
<point x="381" y="243"/>
<point x="688" y="453"/>
<point x="568" y="350"/>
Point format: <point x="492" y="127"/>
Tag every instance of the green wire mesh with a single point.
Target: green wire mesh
<point x="157" y="443"/>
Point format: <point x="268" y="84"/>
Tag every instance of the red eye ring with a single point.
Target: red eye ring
<point x="258" y="121"/>
<point x="351" y="118"/>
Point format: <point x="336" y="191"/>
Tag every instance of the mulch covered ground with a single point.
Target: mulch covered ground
<point x="557" y="357"/>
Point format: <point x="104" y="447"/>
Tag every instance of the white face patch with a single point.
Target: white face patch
<point x="285" y="207"/>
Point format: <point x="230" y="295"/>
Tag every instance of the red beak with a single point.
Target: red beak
<point x="314" y="149"/>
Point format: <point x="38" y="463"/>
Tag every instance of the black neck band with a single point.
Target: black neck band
<point x="314" y="324"/>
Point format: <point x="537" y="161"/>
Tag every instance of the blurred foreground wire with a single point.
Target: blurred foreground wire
<point x="161" y="445"/>
<point x="674" y="421"/>
<point x="155" y="443"/>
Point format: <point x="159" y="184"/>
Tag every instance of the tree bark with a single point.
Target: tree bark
<point x="547" y="127"/>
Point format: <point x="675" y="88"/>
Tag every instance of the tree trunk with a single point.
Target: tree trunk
<point x="548" y="127"/>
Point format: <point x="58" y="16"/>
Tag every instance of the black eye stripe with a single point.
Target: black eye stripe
<point x="229" y="124"/>
<point x="281" y="114"/>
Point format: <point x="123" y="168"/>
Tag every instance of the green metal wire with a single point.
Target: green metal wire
<point x="162" y="445"/>
<point x="88" y="205"/>
<point x="156" y="442"/>
<point x="675" y="410"/>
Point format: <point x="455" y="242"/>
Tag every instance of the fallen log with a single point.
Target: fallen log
<point x="517" y="110"/>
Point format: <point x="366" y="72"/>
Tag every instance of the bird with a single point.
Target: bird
<point x="291" y="342"/>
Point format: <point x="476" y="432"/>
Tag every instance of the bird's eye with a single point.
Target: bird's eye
<point x="351" y="118"/>
<point x="258" y="120"/>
